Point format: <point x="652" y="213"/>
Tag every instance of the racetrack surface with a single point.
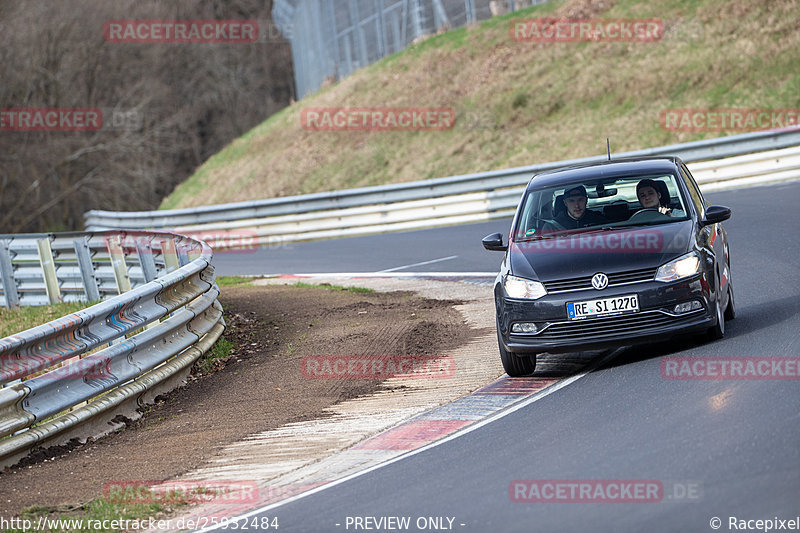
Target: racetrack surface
<point x="730" y="445"/>
<point x="435" y="248"/>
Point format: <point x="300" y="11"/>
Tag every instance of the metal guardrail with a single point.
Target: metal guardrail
<point x="38" y="269"/>
<point x="86" y="368"/>
<point x="427" y="203"/>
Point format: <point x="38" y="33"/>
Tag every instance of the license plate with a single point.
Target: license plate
<point x="619" y="305"/>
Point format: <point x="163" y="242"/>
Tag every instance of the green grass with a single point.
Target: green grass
<point x="520" y="103"/>
<point x="96" y="513"/>
<point x="329" y="287"/>
<point x="219" y="352"/>
<point x="21" y="318"/>
<point x="230" y="281"/>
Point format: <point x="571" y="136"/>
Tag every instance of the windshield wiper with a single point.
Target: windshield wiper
<point x="539" y="237"/>
<point x="584" y="231"/>
<point x="604" y="228"/>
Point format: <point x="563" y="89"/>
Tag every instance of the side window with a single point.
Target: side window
<point x="527" y="220"/>
<point x="529" y="215"/>
<point x="697" y="198"/>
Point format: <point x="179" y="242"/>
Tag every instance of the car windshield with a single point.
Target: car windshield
<point x="596" y="205"/>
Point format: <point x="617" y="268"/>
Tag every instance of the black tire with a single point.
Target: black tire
<point x="730" y="310"/>
<point x="717" y="331"/>
<point x="515" y="365"/>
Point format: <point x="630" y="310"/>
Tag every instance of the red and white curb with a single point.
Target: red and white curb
<point x="433" y="428"/>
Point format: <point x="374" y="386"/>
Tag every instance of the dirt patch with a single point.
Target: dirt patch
<point x="260" y="387"/>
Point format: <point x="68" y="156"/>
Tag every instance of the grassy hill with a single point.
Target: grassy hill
<point x="520" y="103"/>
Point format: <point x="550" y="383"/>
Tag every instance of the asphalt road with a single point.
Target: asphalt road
<point x="721" y="449"/>
<point x="373" y="253"/>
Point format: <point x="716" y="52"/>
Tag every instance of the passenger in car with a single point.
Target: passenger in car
<point x="650" y="197"/>
<point x="576" y="215"/>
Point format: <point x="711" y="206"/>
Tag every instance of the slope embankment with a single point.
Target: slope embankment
<point x="519" y="102"/>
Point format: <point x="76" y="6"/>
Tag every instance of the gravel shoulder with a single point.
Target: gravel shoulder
<point x="260" y="387"/>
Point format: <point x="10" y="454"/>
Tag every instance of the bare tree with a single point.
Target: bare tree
<point x="166" y="107"/>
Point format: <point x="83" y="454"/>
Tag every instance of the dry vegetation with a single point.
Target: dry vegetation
<point x="166" y="107"/>
<point x="521" y="103"/>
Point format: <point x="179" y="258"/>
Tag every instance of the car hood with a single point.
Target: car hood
<point x="586" y="253"/>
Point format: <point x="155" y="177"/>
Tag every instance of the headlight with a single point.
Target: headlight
<point x="523" y="288"/>
<point x="682" y="267"/>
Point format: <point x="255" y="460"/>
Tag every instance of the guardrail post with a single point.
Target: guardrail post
<point x="170" y="255"/>
<point x="146" y="260"/>
<point x="90" y="285"/>
<point x="148" y="264"/>
<point x="7" y="273"/>
<point x="118" y="264"/>
<point x="183" y="256"/>
<point x="49" y="270"/>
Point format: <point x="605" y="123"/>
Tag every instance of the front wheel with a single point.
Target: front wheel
<point x="730" y="311"/>
<point x="718" y="331"/>
<point x="516" y="365"/>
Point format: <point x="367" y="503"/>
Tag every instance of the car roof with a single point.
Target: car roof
<point x="602" y="169"/>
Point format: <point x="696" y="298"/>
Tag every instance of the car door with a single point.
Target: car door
<point x="711" y="238"/>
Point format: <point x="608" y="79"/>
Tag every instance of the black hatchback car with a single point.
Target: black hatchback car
<point x="608" y="254"/>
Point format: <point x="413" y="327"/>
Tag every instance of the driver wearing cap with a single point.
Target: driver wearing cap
<point x="576" y="215"/>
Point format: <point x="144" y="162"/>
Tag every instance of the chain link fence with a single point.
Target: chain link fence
<point x="332" y="38"/>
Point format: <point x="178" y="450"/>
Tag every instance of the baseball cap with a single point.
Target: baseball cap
<point x="580" y="190"/>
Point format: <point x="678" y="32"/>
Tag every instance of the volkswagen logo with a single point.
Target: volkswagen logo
<point x="599" y="281"/>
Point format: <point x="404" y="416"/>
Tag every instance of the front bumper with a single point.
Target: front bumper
<point x="655" y="321"/>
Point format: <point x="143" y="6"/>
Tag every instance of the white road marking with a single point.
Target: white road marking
<point x="422" y="263"/>
<point x="385" y="275"/>
<point x="488" y="420"/>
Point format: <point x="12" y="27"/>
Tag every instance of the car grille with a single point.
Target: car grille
<point x="585" y="282"/>
<point x="614" y="326"/>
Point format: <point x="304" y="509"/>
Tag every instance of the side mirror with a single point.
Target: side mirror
<point x="716" y="214"/>
<point x="494" y="243"/>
